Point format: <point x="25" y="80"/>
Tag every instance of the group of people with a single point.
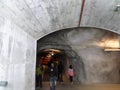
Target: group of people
<point x="55" y="73"/>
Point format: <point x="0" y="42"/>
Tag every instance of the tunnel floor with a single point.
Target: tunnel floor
<point x="75" y="86"/>
<point x="66" y="85"/>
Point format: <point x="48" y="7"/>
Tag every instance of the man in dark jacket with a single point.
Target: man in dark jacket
<point x="60" y="71"/>
<point x="52" y="74"/>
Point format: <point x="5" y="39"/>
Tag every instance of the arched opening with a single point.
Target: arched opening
<point x="84" y="49"/>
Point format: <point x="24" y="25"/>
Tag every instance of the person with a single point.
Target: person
<point x="39" y="72"/>
<point x="70" y="73"/>
<point x="49" y="62"/>
<point x="60" y="71"/>
<point x="52" y="74"/>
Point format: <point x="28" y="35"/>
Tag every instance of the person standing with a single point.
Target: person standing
<point x="70" y="73"/>
<point x="52" y="74"/>
<point x="39" y="72"/>
<point x="60" y="71"/>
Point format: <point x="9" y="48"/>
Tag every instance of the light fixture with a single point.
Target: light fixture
<point x="112" y="45"/>
<point x="52" y="51"/>
<point x="112" y="49"/>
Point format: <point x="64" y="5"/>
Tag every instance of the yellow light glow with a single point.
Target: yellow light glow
<point x="112" y="45"/>
<point x="112" y="49"/>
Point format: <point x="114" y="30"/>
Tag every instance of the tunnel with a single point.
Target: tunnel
<point x="84" y="48"/>
<point x="87" y="32"/>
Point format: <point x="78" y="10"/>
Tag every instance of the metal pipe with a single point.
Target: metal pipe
<point x="81" y="12"/>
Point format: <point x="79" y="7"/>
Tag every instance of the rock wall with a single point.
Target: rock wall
<point x="85" y="49"/>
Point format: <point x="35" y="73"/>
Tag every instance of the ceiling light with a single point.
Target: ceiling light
<point x="112" y="45"/>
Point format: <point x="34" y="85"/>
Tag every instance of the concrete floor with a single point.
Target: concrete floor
<point x="68" y="86"/>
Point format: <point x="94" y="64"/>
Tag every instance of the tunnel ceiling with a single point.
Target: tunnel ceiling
<point x="41" y="17"/>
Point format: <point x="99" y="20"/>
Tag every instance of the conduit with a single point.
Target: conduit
<point x="81" y="12"/>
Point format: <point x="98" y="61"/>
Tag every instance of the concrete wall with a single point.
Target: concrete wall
<point x="17" y="57"/>
<point x="41" y="17"/>
<point x="85" y="49"/>
<point x="102" y="14"/>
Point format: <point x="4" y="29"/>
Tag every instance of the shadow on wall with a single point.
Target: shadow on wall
<point x="85" y="50"/>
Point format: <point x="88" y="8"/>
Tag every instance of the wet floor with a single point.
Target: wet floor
<point x="74" y="86"/>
